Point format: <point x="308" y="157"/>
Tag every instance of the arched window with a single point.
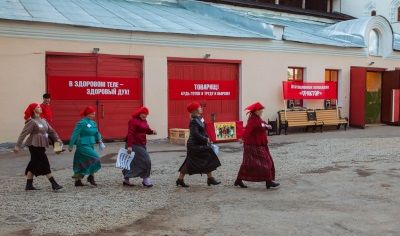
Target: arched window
<point x="373" y="46"/>
<point x="398" y="14"/>
<point x="373" y="13"/>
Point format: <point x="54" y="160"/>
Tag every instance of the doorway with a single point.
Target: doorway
<point x="373" y="97"/>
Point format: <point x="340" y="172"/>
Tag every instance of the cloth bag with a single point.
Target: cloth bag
<point x="124" y="159"/>
<point x="215" y="148"/>
<point x="58" y="147"/>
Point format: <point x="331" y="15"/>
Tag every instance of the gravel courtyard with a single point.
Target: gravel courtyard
<point x="332" y="183"/>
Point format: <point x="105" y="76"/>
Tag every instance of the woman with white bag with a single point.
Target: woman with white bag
<point x="136" y="141"/>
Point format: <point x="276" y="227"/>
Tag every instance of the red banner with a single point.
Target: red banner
<point x="202" y="89"/>
<point x="299" y="90"/>
<point x="90" y="88"/>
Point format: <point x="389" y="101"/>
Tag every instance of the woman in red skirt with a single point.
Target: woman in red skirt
<point x="257" y="165"/>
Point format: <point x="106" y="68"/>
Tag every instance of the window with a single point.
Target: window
<point x="373" y="46"/>
<point x="291" y="3"/>
<point x="331" y="76"/>
<point x="318" y="5"/>
<point x="398" y="14"/>
<point x="373" y="13"/>
<point x="295" y="74"/>
<point x="266" y="1"/>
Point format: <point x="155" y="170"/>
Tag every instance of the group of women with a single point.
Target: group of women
<point x="257" y="165"/>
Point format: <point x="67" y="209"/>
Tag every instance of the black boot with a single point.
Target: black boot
<point x="29" y="185"/>
<point x="271" y="184"/>
<point x="181" y="183"/>
<point x="212" y="181"/>
<point x="90" y="179"/>
<point x="54" y="184"/>
<point x="78" y="183"/>
<point x="240" y="183"/>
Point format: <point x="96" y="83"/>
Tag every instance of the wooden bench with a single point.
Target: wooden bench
<point x="331" y="117"/>
<point x="297" y="119"/>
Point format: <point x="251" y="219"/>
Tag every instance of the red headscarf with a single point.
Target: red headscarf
<point x="193" y="106"/>
<point x="142" y="110"/>
<point x="29" y="110"/>
<point x="88" y="110"/>
<point x="254" y="107"/>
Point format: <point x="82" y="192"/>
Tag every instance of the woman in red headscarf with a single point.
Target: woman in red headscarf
<point x="257" y="165"/>
<point x="200" y="159"/>
<point x="39" y="132"/>
<point x="136" y="141"/>
<point x="85" y="136"/>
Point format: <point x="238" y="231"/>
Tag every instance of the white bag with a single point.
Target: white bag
<point x="124" y="159"/>
<point x="215" y="148"/>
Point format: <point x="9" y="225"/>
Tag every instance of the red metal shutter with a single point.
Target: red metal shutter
<point x="67" y="112"/>
<point x="224" y="110"/>
<point x="114" y="115"/>
<point x="357" y="96"/>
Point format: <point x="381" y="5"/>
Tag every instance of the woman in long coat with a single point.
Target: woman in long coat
<point x="39" y="132"/>
<point x="200" y="159"/>
<point x="85" y="136"/>
<point x="136" y="141"/>
<point x="257" y="165"/>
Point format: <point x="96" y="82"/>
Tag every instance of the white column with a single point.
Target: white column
<point x="303" y="5"/>
<point x="277" y="2"/>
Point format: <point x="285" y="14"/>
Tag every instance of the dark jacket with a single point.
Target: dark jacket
<point x="200" y="159"/>
<point x="198" y="135"/>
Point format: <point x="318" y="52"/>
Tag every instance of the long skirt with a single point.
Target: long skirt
<point x="257" y="165"/>
<point x="86" y="161"/>
<point x="200" y="160"/>
<point x="39" y="164"/>
<point x="141" y="164"/>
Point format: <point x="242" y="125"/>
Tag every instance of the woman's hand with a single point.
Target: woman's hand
<point x="16" y="149"/>
<point x="129" y="150"/>
<point x="240" y="141"/>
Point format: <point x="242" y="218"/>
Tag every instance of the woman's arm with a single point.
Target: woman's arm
<point x="75" y="134"/>
<point x="131" y="132"/>
<point x="194" y="130"/>
<point x="28" y="129"/>
<point x="52" y="133"/>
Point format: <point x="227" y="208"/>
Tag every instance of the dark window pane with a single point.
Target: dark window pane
<point x="398" y="14"/>
<point x="318" y="5"/>
<point x="292" y="3"/>
<point x="266" y="1"/>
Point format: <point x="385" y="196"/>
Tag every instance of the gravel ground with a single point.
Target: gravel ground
<point x="111" y="209"/>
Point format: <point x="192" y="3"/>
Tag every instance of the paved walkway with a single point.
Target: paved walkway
<point x="334" y="183"/>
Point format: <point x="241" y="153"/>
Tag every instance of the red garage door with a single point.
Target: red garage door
<point x="214" y="83"/>
<point x="112" y="84"/>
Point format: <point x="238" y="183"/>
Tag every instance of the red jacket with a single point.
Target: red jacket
<point x="137" y="131"/>
<point x="46" y="112"/>
<point x="255" y="132"/>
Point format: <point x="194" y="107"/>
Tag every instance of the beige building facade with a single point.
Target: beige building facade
<point x="263" y="65"/>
